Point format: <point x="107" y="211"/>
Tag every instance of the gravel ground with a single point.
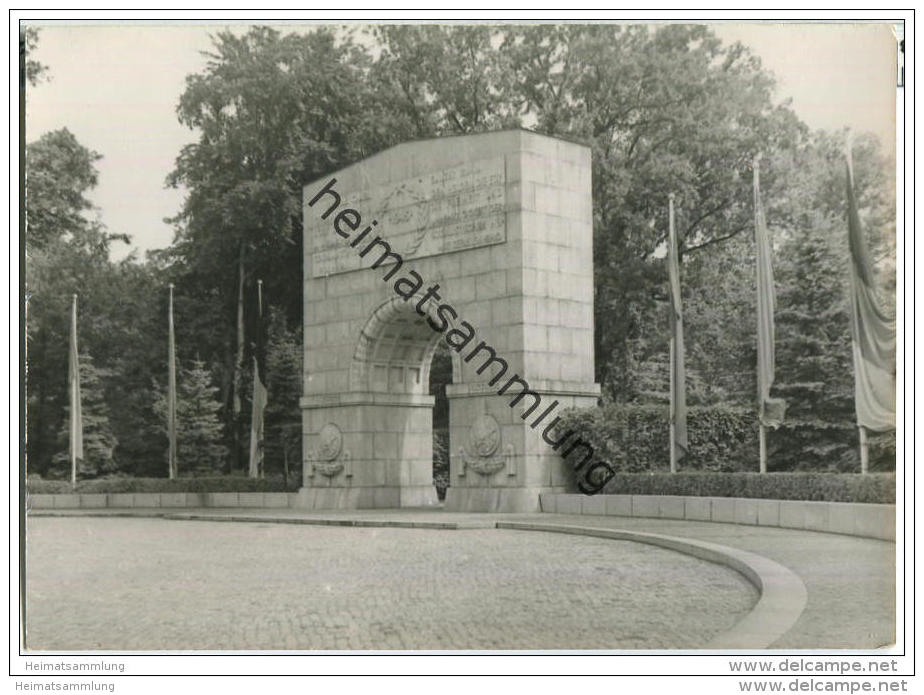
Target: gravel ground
<point x="152" y="584"/>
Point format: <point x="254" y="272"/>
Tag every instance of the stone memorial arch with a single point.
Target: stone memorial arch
<point x="501" y="222"/>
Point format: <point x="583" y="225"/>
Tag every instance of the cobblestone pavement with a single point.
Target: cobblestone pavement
<point x="142" y="584"/>
<point x="850" y="581"/>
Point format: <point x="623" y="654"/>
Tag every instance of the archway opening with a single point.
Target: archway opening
<point x="440" y="377"/>
<point x="401" y="355"/>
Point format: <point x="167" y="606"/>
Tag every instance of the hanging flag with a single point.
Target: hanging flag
<point x="173" y="469"/>
<point x="73" y="383"/>
<point x="259" y="394"/>
<point x="770" y="410"/>
<point x="678" y="372"/>
<point x="872" y="329"/>
<point x="239" y="359"/>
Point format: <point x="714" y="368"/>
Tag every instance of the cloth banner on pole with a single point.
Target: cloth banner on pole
<point x="872" y="330"/>
<point x="73" y="383"/>
<point x="173" y="468"/>
<point x="678" y="371"/>
<point x="259" y="394"/>
<point x="771" y="411"/>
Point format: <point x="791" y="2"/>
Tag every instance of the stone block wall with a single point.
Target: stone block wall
<point x="868" y="520"/>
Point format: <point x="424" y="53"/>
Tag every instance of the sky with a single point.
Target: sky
<point x="116" y="88"/>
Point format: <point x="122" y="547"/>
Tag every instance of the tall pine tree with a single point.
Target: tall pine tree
<point x="284" y="385"/>
<point x="813" y="352"/>
<point x="813" y="359"/>
<point x="199" y="428"/>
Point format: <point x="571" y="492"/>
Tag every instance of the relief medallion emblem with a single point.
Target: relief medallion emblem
<point x="329" y="458"/>
<point x="330" y="442"/>
<point x="484" y="443"/>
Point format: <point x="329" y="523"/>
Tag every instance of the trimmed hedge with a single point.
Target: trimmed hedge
<point x="636" y="438"/>
<point x="876" y="488"/>
<point x="228" y="483"/>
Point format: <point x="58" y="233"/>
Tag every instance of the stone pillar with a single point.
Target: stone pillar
<point x="370" y="451"/>
<point x="541" y="322"/>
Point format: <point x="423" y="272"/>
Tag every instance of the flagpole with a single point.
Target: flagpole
<point x="762" y="435"/>
<point x="864" y="450"/>
<point x="260" y="460"/>
<point x="74" y="395"/>
<point x="172" y="464"/>
<point x="237" y="382"/>
<point x="673" y="437"/>
<point x="762" y="429"/>
<point x="673" y="347"/>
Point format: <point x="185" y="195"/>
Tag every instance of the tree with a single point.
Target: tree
<point x="720" y="310"/>
<point x="273" y="112"/>
<point x="437" y="80"/>
<point x="813" y="350"/>
<point x="666" y="110"/>
<point x="33" y="71"/>
<point x="199" y="428"/>
<point x="116" y="323"/>
<point x="135" y="309"/>
<point x="814" y="359"/>
<point x="59" y="174"/>
<point x="67" y="252"/>
<point x="99" y="442"/>
<point x="283" y="423"/>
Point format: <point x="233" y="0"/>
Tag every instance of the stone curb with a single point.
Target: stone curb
<point x="358" y="523"/>
<point x="303" y="521"/>
<point x="783" y="595"/>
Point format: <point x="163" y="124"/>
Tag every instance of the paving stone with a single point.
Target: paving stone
<point x="646" y="505"/>
<point x="146" y="499"/>
<point x="121" y="499"/>
<point x="697" y="508"/>
<point x="593" y="504"/>
<point x="66" y="501"/>
<point x="768" y="512"/>
<point x="92" y="501"/>
<point x="875" y="520"/>
<point x="250" y="499"/>
<point x="568" y="504"/>
<point x="40" y="502"/>
<point x="670" y="507"/>
<point x="816" y="516"/>
<point x="245" y="585"/>
<point x="792" y="514"/>
<point x="723" y="509"/>
<point x="745" y="511"/>
<point x="850" y="580"/>
<point x="618" y="505"/>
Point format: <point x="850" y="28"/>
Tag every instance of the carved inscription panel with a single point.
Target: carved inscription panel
<point x="461" y="207"/>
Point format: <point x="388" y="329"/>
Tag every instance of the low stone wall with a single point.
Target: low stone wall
<point x="156" y="500"/>
<point x="867" y="520"/>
